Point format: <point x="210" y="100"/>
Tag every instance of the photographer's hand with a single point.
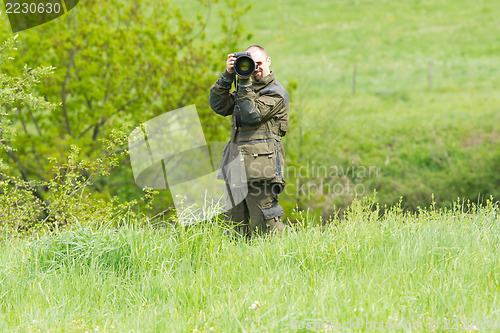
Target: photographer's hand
<point x="230" y="63"/>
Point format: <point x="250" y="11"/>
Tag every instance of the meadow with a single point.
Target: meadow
<point x="409" y="271"/>
<point x="419" y="125"/>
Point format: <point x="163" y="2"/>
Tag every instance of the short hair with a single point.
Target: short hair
<point x="260" y="48"/>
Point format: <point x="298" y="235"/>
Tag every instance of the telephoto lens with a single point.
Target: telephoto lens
<point x="244" y="65"/>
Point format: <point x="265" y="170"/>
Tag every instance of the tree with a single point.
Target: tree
<point x="117" y="63"/>
<point x="68" y="197"/>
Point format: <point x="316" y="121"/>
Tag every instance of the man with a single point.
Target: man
<point x="259" y="111"/>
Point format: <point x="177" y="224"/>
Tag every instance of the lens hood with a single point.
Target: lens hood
<point x="244" y="65"/>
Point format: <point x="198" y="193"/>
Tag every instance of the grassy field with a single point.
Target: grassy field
<point x="398" y="268"/>
<point x="424" y="119"/>
<point x="425" y="109"/>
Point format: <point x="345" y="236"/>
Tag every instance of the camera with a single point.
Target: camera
<point x="244" y="65"/>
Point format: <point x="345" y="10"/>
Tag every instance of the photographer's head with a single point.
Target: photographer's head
<point x="259" y="55"/>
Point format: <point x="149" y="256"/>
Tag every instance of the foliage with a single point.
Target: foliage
<point x="67" y="196"/>
<point x="16" y="92"/>
<point x="118" y="63"/>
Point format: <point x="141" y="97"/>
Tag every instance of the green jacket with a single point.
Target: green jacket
<point x="263" y="108"/>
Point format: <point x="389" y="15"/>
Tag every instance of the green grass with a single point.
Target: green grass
<point x="385" y="265"/>
<point x="394" y="267"/>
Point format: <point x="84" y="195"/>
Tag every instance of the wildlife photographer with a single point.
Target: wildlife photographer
<point x="260" y="112"/>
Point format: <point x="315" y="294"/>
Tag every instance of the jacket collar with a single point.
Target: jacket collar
<point x="258" y="85"/>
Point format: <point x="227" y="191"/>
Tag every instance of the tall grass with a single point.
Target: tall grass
<point x="393" y="267"/>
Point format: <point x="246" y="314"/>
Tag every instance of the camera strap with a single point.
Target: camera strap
<point x="237" y="113"/>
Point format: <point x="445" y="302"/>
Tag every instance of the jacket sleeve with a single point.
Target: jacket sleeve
<point x="221" y="100"/>
<point x="255" y="108"/>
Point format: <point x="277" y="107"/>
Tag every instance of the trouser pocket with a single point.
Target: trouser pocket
<point x="259" y="160"/>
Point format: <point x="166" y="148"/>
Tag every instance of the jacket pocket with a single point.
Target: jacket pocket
<point x="259" y="160"/>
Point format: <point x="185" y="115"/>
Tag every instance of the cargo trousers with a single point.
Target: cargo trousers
<point x="261" y="203"/>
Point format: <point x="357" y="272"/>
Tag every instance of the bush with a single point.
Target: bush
<point x="27" y="205"/>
